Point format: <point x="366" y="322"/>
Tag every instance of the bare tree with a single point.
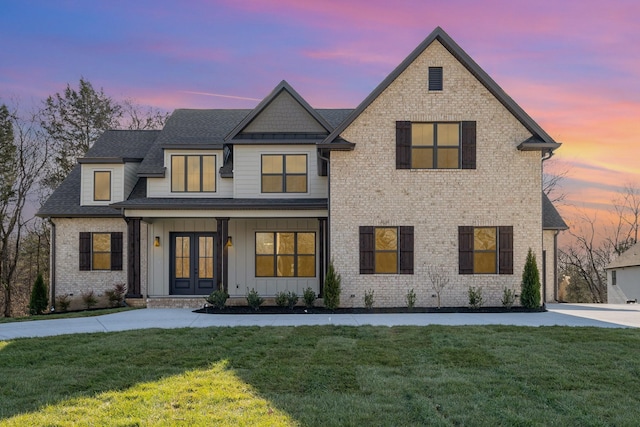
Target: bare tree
<point x="26" y="149"/>
<point x="586" y="257"/>
<point x="439" y="279"/>
<point x="624" y="230"/>
<point x="554" y="172"/>
<point x="137" y="117"/>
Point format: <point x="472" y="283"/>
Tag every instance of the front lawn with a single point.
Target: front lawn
<point x="323" y="376"/>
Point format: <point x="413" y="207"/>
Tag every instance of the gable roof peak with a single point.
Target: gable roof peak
<point x="448" y="43"/>
<point x="283" y="86"/>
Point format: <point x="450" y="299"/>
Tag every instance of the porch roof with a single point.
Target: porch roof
<point x="157" y="203"/>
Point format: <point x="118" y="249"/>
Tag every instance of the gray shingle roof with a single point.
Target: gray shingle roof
<point x="224" y="204"/>
<point x="551" y="219"/>
<point x="629" y="258"/>
<point x="65" y="200"/>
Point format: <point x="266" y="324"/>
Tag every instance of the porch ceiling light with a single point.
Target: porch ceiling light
<point x="156" y="241"/>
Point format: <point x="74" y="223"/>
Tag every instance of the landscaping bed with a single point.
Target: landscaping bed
<point x="243" y="309"/>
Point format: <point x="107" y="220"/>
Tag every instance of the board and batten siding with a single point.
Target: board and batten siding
<point x="247" y="172"/>
<point x="161" y="187"/>
<point x="159" y="257"/>
<point x="242" y="259"/>
<point x="117" y="184"/>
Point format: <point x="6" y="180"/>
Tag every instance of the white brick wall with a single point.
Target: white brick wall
<point x="69" y="278"/>
<point x="366" y="188"/>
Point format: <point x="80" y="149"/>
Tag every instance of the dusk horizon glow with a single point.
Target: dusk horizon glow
<point x="573" y="66"/>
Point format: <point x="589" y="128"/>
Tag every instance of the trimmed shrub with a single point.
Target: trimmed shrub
<point x="475" y="297"/>
<point x="309" y="297"/>
<point x="368" y="299"/>
<point x="116" y="295"/>
<point x="292" y="299"/>
<point x="411" y="298"/>
<point x="39" y="301"/>
<point x="63" y="302"/>
<point x="281" y="299"/>
<point x="218" y="299"/>
<point x="89" y="298"/>
<point x="332" y="288"/>
<point x="530" y="295"/>
<point x="254" y="300"/>
<point x="508" y="297"/>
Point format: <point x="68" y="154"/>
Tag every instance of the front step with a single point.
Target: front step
<point x="191" y="302"/>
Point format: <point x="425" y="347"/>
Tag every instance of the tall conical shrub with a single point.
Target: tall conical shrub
<point x="530" y="294"/>
<point x="39" y="301"/>
<point x="332" y="288"/>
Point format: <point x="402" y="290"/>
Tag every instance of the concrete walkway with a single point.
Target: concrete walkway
<point x="597" y="315"/>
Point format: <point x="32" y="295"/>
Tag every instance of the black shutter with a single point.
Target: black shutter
<point x="367" y="250"/>
<point x="465" y="250"/>
<point x="435" y="78"/>
<point x="85" y="251"/>
<point x="403" y="145"/>
<point x="116" y="251"/>
<point x="406" y="250"/>
<point x="468" y="145"/>
<point x="505" y="247"/>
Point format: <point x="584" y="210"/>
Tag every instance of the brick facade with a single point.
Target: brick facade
<point x="368" y="190"/>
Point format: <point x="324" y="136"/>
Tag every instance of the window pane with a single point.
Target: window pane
<point x="297" y="164"/>
<point x="186" y="268"/>
<point x="484" y="239"/>
<point x="264" y="243"/>
<point x="285" y="266"/>
<point x="193" y="173"/>
<point x="102" y="242"/>
<point x="306" y="243"/>
<point x="422" y="158"/>
<point x="272" y="164"/>
<point x="448" y="134"/>
<point x="448" y="158"/>
<point x="296" y="183"/>
<point x="386" y="262"/>
<point x="264" y="266"/>
<point x="102" y="185"/>
<point x="205" y="268"/>
<point x="285" y="243"/>
<point x="102" y="261"/>
<point x="208" y="173"/>
<point x="272" y="184"/>
<point x="177" y="173"/>
<point x="484" y="262"/>
<point x="306" y="266"/>
<point x="186" y="246"/>
<point x="422" y="134"/>
<point x="386" y="239"/>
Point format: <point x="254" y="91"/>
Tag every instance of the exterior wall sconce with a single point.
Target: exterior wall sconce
<point x="156" y="241"/>
<point x="229" y="242"/>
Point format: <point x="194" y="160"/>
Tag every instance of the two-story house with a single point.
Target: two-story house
<point x="436" y="170"/>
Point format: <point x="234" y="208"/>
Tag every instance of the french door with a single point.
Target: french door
<point x="192" y="263"/>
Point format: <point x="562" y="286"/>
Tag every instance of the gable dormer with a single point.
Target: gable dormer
<point x="282" y="116"/>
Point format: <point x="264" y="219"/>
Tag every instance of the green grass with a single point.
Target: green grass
<point x="325" y="376"/>
<point x="66" y="315"/>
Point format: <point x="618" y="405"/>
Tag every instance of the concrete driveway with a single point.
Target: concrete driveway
<point x="596" y="315"/>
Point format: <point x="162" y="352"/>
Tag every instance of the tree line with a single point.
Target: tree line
<point x="38" y="149"/>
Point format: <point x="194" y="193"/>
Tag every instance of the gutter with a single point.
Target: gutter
<point x="52" y="266"/>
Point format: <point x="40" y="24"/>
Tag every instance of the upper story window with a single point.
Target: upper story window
<point x="284" y="173"/>
<point x="435" y="145"/>
<point x="193" y="173"/>
<point x="101" y="186"/>
<point x="485" y="250"/>
<point x="614" y="279"/>
<point x="435" y="78"/>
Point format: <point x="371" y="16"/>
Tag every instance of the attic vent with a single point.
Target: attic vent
<point x="435" y="78"/>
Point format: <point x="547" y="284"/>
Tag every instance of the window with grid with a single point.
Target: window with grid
<point x="284" y="173"/>
<point x="285" y="254"/>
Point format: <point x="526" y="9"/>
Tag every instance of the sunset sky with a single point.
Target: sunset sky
<point x="574" y="66"/>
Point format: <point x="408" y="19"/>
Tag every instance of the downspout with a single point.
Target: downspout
<point x="545" y="156"/>
<point x="328" y="227"/>
<point x="555" y="265"/>
<point x="52" y="266"/>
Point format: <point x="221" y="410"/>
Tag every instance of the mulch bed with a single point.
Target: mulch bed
<point x="320" y="310"/>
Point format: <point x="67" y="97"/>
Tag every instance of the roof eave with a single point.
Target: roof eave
<point x="337" y="146"/>
<point x="538" y="146"/>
